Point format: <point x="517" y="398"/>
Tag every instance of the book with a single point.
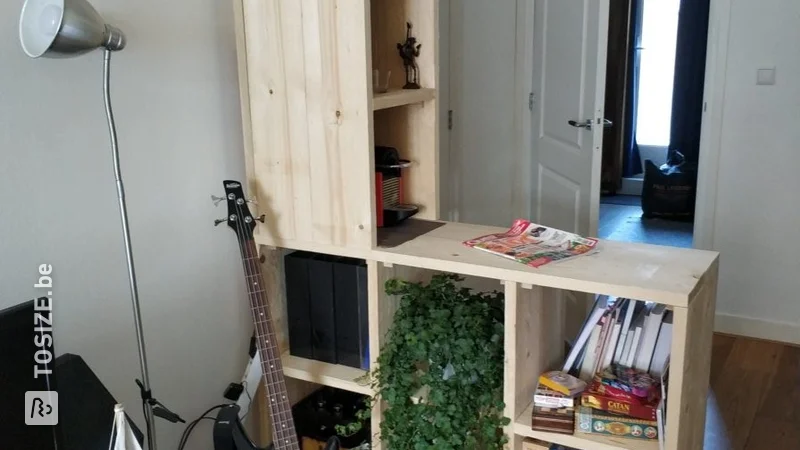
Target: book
<point x="350" y="311"/>
<point x="630" y="309"/>
<point x="533" y="244"/>
<point x="553" y="420"/>
<point x="298" y="303"/>
<point x="587" y="367"/>
<point x="660" y="413"/>
<point x="637" y="325"/>
<point x="605" y="322"/>
<point x="662" y="349"/>
<point x="586" y="330"/>
<point x="549" y="398"/>
<point x="323" y="319"/>
<point x="621" y="338"/>
<point x="626" y="349"/>
<point x="613" y="344"/>
<point x="562" y="382"/>
<point x="594" y="421"/>
<point x="644" y="354"/>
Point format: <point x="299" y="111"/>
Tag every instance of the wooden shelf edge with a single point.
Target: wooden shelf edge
<point x="333" y="375"/>
<point x="665" y="275"/>
<point x="401" y="97"/>
<point x="581" y="441"/>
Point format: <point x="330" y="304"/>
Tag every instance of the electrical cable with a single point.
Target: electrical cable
<point x="190" y="427"/>
<point x="250" y="397"/>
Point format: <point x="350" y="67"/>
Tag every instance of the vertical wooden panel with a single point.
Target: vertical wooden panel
<point x="310" y="112"/>
<point x="533" y="344"/>
<point x="244" y="95"/>
<point x="692" y="333"/>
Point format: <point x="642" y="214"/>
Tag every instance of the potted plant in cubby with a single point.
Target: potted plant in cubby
<point x="440" y="371"/>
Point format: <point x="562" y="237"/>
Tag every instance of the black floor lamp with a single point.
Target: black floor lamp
<point x="65" y="28"/>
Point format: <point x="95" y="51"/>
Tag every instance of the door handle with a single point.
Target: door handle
<point x="587" y="124"/>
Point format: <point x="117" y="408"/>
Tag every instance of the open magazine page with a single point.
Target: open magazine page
<point x="534" y="245"/>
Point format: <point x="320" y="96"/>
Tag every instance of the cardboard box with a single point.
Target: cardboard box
<point x="599" y="400"/>
<point x="594" y="421"/>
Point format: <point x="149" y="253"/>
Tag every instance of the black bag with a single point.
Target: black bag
<point x="669" y="191"/>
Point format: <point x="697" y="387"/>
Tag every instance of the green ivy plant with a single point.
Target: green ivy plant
<point x="448" y="339"/>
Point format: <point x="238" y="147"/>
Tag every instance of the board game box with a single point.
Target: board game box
<point x="593" y="421"/>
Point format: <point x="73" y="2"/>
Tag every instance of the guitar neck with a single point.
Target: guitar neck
<point x="284" y="435"/>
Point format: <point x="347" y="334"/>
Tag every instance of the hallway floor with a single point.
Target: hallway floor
<point x="754" y="399"/>
<point x="621" y="220"/>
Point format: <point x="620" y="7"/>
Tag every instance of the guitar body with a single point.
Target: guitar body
<point x="242" y="221"/>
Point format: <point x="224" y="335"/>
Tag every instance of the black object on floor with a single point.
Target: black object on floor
<point x="669" y="191"/>
<point x="17" y="350"/>
<point x="86" y="408"/>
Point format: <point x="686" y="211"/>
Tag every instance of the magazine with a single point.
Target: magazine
<point x="534" y="245"/>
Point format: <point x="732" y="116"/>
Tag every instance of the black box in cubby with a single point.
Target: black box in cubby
<point x="327" y="308"/>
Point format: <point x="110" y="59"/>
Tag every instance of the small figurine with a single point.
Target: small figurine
<point x="409" y="51"/>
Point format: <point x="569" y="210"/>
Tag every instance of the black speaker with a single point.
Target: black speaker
<point x="86" y="407"/>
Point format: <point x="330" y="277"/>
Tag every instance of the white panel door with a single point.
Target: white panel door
<point x="569" y="70"/>
<point x="483" y="146"/>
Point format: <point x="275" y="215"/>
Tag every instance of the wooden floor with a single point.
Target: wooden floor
<point x="754" y="401"/>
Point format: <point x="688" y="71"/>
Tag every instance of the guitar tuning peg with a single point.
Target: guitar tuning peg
<point x="217" y="200"/>
<point x="252" y="201"/>
<point x="219" y="221"/>
<point x="261" y="218"/>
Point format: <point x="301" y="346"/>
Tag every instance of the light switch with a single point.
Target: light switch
<point x="766" y="77"/>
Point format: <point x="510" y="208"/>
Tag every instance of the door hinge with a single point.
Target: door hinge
<point x="450" y="119"/>
<point x="531" y="101"/>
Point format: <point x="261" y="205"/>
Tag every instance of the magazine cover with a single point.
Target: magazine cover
<point x="534" y="245"/>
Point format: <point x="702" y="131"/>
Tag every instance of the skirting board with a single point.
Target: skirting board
<point x="758" y="328"/>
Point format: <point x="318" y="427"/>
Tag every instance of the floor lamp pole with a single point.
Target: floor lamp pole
<point x="123" y="212"/>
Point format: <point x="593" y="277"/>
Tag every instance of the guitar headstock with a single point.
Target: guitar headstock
<point x="240" y="219"/>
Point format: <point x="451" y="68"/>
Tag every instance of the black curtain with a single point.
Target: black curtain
<point x="631" y="161"/>
<point x="690" y="69"/>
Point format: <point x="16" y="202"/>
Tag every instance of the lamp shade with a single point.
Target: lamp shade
<point x="60" y="28"/>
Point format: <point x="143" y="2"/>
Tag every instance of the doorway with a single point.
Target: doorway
<point x="649" y="173"/>
<point x="489" y="176"/>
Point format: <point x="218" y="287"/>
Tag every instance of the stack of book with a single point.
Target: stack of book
<point x="624" y="332"/>
<point x="623" y="402"/>
<point x="554" y="402"/>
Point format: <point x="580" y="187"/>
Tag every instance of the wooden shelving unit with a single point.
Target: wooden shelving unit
<point x="311" y="122"/>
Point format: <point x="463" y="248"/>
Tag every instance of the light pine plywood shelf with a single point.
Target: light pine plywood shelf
<point x="522" y="427"/>
<point x="401" y="97"/>
<point x="325" y="374"/>
<point x="667" y="275"/>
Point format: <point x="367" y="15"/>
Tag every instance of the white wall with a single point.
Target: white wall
<point x="756" y="214"/>
<point x="176" y="100"/>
